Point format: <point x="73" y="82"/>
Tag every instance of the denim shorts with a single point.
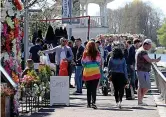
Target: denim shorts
<point x="144" y="79"/>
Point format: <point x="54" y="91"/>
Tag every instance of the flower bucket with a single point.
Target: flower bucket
<point x="7" y="106"/>
<point x="3" y="106"/>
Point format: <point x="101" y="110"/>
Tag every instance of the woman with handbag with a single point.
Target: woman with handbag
<point x="118" y="74"/>
<point x="91" y="61"/>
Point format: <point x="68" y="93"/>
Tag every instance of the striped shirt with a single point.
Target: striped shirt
<point x="91" y="68"/>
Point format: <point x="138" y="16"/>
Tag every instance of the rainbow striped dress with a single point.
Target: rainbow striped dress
<point x="91" y="68"/>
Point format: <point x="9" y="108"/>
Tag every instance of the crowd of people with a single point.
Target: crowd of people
<point x="126" y="58"/>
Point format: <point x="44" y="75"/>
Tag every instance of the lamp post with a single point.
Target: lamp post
<point x="26" y="26"/>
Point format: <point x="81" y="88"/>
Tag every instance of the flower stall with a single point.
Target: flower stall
<point x="9" y="95"/>
<point x="11" y="36"/>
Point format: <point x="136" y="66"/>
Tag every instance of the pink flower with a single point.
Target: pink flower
<point x="19" y="69"/>
<point x="17" y="46"/>
<point x="5" y="29"/>
<point x="7" y="67"/>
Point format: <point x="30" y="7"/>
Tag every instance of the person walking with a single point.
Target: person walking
<point x="118" y="68"/>
<point x="143" y="67"/>
<point x="91" y="62"/>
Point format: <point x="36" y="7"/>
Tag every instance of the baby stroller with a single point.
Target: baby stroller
<point x="105" y="84"/>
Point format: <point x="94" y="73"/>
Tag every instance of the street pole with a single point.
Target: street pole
<point x="70" y="16"/>
<point x="26" y="29"/>
<point x="26" y="40"/>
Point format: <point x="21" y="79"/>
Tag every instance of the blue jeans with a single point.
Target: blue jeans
<point x="78" y="78"/>
<point x="132" y="77"/>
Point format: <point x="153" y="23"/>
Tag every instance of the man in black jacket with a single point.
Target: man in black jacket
<point x="131" y="62"/>
<point x="126" y="51"/>
<point x="79" y="67"/>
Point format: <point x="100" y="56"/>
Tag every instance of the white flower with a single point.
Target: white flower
<point x="6" y="56"/>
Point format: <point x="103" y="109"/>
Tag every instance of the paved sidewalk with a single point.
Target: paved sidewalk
<point x="106" y="108"/>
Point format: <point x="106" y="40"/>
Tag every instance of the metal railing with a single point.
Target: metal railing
<point x="160" y="81"/>
<point x="32" y="101"/>
<point x="95" y="21"/>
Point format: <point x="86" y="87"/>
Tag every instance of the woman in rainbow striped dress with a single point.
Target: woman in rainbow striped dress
<point x="91" y="61"/>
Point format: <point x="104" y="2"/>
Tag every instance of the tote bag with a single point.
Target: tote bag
<point x="63" y="68"/>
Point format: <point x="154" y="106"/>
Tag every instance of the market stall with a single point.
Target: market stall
<point x="11" y="36"/>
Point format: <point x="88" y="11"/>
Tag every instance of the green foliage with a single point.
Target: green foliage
<point x="160" y="51"/>
<point x="153" y="49"/>
<point x="162" y="34"/>
<point x="136" y="17"/>
<point x="44" y="73"/>
<point x="36" y="25"/>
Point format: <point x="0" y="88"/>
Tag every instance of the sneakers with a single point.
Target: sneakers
<point x="77" y="93"/>
<point x="71" y="86"/>
<point x="94" y="106"/>
<point x="119" y="105"/>
<point x="88" y="106"/>
<point x="142" y="104"/>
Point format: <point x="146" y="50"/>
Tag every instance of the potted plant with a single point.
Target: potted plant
<point x="44" y="75"/>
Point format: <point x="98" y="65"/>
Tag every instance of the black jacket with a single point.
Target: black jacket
<point x="79" y="54"/>
<point x="131" y="56"/>
<point x="126" y="54"/>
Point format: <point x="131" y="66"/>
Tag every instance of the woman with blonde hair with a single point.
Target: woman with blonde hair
<point x="91" y="61"/>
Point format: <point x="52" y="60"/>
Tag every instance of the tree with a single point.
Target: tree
<point x="162" y="34"/>
<point x="136" y="17"/>
<point x="49" y="11"/>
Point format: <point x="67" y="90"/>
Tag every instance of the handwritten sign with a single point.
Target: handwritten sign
<point x="59" y="90"/>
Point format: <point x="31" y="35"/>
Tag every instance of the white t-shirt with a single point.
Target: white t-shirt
<point x="63" y="54"/>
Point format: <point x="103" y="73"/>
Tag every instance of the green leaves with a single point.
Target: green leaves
<point x="162" y="34"/>
<point x="44" y="73"/>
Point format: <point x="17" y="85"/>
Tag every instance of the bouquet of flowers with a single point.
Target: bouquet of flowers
<point x="30" y="78"/>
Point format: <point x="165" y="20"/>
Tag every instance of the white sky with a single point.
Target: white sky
<point x="159" y="4"/>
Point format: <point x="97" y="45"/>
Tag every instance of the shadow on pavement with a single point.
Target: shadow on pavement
<point x="162" y="105"/>
<point x="45" y="112"/>
<point x="83" y="98"/>
<point x="142" y="108"/>
<point x="77" y="105"/>
<point x="39" y="114"/>
<point x="115" y="109"/>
